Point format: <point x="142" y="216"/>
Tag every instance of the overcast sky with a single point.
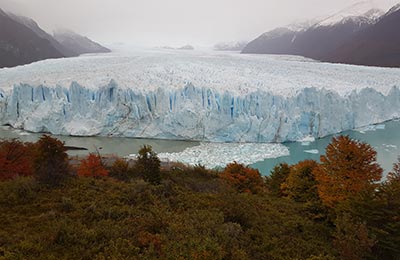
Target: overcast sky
<point x="174" y="22"/>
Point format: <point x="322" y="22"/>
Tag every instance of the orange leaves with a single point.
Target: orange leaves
<point x="15" y="159"/>
<point x="348" y="168"/>
<point x="92" y="167"/>
<point x="242" y="178"/>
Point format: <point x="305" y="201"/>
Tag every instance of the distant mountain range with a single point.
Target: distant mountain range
<point x="230" y="46"/>
<point x="360" y="34"/>
<point x="22" y="41"/>
<point x="77" y="43"/>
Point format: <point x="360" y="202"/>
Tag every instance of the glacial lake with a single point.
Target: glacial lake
<point x="385" y="138"/>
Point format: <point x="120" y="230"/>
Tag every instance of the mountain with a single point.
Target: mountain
<point x="22" y="41"/>
<point x="20" y="45"/>
<point x="230" y="46"/>
<point x="378" y="45"/>
<point x="323" y="40"/>
<point x="186" y="48"/>
<point x="31" y="24"/>
<point x="77" y="43"/>
<point x="324" y="37"/>
<point x="277" y="41"/>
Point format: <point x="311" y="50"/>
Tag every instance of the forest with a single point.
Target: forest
<point x="341" y="207"/>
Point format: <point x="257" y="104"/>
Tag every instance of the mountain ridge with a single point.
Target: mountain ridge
<point x="23" y="41"/>
<point x="339" y="41"/>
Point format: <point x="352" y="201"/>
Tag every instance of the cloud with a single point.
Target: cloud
<point x="175" y="22"/>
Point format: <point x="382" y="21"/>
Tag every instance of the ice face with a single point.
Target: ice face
<point x="196" y="96"/>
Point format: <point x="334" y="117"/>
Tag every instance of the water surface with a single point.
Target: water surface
<point x="385" y="138"/>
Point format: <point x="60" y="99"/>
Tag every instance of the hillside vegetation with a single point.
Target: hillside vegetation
<point x="335" y="209"/>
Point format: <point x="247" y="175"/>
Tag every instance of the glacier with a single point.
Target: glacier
<point x="199" y="95"/>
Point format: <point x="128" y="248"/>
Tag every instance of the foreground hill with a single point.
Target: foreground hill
<point x="52" y="207"/>
<point x="191" y="219"/>
<point x="20" y="45"/>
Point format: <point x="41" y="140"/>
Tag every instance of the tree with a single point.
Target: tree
<point x="51" y="161"/>
<point x="384" y="218"/>
<point x="352" y="239"/>
<point x="242" y="178"/>
<point x="301" y="185"/>
<point x="120" y="170"/>
<point x="148" y="165"/>
<point x="92" y="166"/>
<point x="348" y="168"/>
<point x="15" y="159"/>
<point x="277" y="177"/>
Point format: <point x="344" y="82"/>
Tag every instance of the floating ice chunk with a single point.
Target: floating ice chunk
<point x="370" y="128"/>
<point x="214" y="155"/>
<point x="308" y="138"/>
<point x="380" y="127"/>
<point x="306" y="141"/>
<point x="313" y="151"/>
<point x="390" y="146"/>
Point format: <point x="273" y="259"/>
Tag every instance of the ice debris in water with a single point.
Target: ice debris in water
<point x="371" y="128"/>
<point x="313" y="151"/>
<point x="213" y="155"/>
<point x="306" y="141"/>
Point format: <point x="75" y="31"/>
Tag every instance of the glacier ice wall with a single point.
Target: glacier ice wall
<point x="193" y="113"/>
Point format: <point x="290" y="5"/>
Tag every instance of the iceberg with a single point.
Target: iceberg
<point x="201" y="96"/>
<point x="313" y="151"/>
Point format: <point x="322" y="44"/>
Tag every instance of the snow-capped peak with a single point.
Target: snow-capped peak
<point x="394" y="9"/>
<point x="303" y="25"/>
<point x="366" y="11"/>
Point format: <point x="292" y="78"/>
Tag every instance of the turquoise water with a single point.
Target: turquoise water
<point x="385" y="139"/>
<point x="105" y="145"/>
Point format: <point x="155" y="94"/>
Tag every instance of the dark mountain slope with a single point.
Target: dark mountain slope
<point x="378" y="45"/>
<point x="314" y="42"/>
<point x="31" y="24"/>
<point x="278" y="41"/>
<point x="77" y="43"/>
<point x="20" y="45"/>
<point x="317" y="41"/>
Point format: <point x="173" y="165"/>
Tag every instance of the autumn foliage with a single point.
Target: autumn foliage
<point x="15" y="159"/>
<point x="301" y="185"/>
<point x="348" y="168"/>
<point x="242" y="178"/>
<point x="51" y="163"/>
<point x="151" y="211"/>
<point x="92" y="167"/>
